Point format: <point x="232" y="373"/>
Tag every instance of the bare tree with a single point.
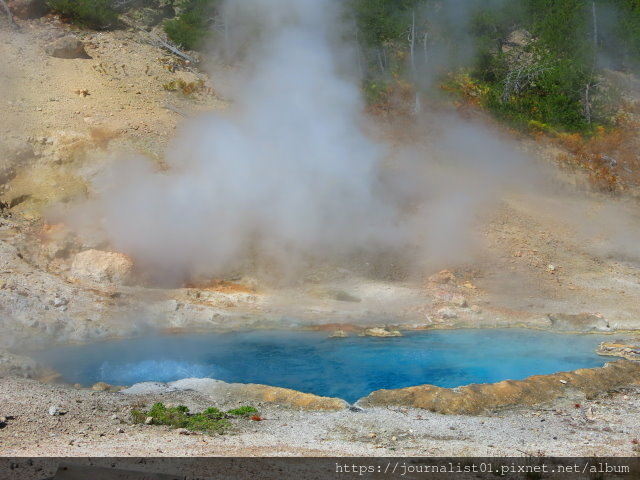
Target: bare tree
<point x="520" y="78"/>
<point x="8" y="12"/>
<point x="412" y="43"/>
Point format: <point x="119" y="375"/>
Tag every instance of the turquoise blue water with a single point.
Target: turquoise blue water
<point x="349" y="368"/>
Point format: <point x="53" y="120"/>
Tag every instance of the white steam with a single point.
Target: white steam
<point x="287" y="173"/>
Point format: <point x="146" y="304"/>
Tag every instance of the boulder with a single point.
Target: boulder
<point x="25" y="9"/>
<point x="67" y="47"/>
<point x="103" y="267"/>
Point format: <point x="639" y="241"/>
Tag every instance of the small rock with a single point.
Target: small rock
<point x="380" y="332"/>
<point x="183" y="431"/>
<point x="148" y="420"/>
<point x="67" y="47"/>
<point x="119" y="430"/>
<point x="564" y="382"/>
<point x="551" y="268"/>
<point x="339" y="334"/>
<point x="394" y="438"/>
<point x="114" y="417"/>
<point x="476" y="309"/>
<point x="54" y="410"/>
<point x="372" y="435"/>
<point x="100" y="387"/>
<point x="60" y="301"/>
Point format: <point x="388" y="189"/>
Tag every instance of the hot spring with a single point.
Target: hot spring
<point x="348" y="368"/>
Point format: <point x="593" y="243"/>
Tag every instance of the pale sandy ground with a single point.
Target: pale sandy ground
<point x="510" y="283"/>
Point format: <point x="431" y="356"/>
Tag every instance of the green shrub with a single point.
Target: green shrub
<point x="210" y="420"/>
<point x="242" y="411"/>
<point x="190" y="28"/>
<point x="97" y="14"/>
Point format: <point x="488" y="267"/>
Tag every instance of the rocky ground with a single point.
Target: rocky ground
<point x="63" y="118"/>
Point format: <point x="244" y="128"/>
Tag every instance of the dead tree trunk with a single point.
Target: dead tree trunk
<point x="8" y="12"/>
<point x="412" y="44"/>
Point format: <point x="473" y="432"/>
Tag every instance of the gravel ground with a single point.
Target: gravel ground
<point x="98" y="424"/>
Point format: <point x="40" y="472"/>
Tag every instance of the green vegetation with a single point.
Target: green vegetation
<point x="246" y="411"/>
<point x="539" y="65"/>
<point x="96" y="14"/>
<point x="210" y="420"/>
<point x="190" y="27"/>
<point x="533" y="63"/>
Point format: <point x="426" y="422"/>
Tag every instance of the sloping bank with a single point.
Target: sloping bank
<point x="481" y="398"/>
<point x="471" y="399"/>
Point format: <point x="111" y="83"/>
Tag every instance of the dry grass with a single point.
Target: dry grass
<point x="609" y="156"/>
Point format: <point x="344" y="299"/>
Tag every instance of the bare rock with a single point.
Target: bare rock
<point x="25" y="9"/>
<point x="630" y="352"/>
<point x="339" y="334"/>
<point x="380" y="332"/>
<point x="54" y="411"/>
<point x="103" y="267"/>
<point x="67" y="47"/>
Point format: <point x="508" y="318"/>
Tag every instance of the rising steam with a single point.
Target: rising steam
<point x="287" y="173"/>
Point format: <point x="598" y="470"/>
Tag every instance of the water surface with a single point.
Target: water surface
<point x="349" y="368"/>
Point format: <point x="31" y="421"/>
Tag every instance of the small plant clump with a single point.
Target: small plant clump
<point x="210" y="420"/>
<point x="97" y="14"/>
<point x="245" y="411"/>
<point x="187" y="88"/>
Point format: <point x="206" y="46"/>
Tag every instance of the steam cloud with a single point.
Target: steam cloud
<point x="287" y="173"/>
